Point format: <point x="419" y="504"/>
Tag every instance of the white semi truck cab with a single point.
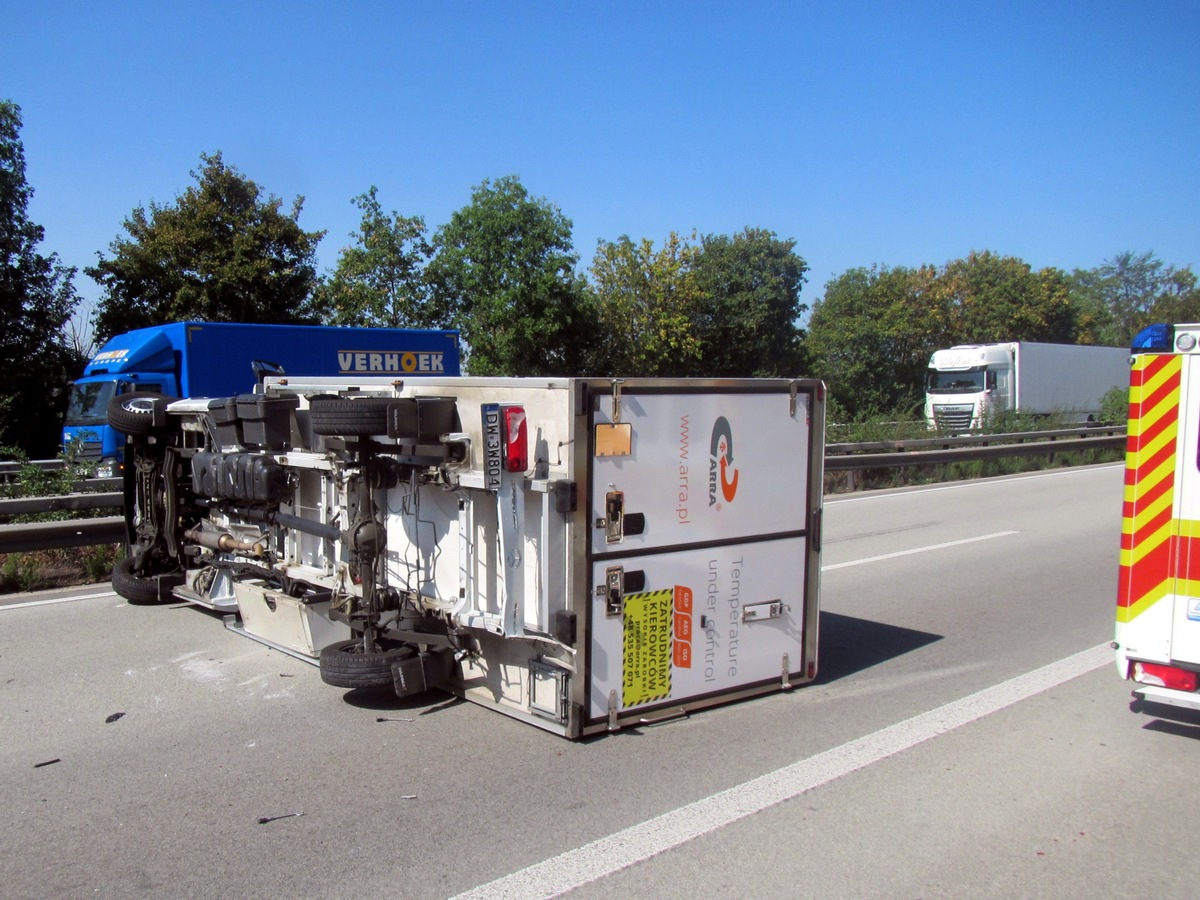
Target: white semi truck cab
<point x="965" y="382"/>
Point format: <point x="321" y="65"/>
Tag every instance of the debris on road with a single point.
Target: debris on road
<point x="263" y="820"/>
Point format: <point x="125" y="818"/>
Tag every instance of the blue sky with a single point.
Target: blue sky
<point x="882" y="133"/>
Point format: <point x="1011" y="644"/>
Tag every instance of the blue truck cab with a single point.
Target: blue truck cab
<point x="218" y="359"/>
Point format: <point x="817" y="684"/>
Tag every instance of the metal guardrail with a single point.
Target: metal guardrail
<point x="967" y="448"/>
<point x="19" y="506"/>
<point x="975" y="439"/>
<point x="87" y="494"/>
<point x="9" y="471"/>
<point x="70" y="533"/>
<point x="838" y="458"/>
<point x="8" y="468"/>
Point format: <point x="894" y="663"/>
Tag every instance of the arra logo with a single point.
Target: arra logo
<point x="720" y="466"/>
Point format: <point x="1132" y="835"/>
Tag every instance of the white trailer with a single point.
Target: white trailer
<point x="967" y="383"/>
<point x="581" y="554"/>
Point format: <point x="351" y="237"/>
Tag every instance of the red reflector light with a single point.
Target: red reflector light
<point x="516" y="439"/>
<point x="1164" y="676"/>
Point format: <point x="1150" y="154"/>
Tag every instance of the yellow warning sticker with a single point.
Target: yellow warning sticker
<point x="646" y="656"/>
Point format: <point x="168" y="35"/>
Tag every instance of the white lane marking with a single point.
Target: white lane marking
<point x="962" y="485"/>
<point x="29" y="603"/>
<point x="871" y="559"/>
<point x="641" y="842"/>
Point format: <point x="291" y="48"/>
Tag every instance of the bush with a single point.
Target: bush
<point x="1114" y="408"/>
<point x="865" y="427"/>
<point x="42" y="569"/>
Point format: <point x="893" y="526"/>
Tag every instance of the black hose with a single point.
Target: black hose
<point x="287" y="520"/>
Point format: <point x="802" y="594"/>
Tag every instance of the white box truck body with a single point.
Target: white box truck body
<point x="582" y="554"/>
<point x="968" y="383"/>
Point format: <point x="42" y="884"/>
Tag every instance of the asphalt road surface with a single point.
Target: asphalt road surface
<point x="968" y="737"/>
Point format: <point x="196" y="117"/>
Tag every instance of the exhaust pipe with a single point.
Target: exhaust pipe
<point x="214" y="541"/>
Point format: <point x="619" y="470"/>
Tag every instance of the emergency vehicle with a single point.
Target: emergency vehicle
<point x="580" y="554"/>
<point x="1158" y="601"/>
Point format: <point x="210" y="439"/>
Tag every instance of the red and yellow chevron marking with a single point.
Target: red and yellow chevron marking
<point x="1153" y="543"/>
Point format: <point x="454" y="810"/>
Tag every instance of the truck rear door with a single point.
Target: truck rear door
<point x="702" y="552"/>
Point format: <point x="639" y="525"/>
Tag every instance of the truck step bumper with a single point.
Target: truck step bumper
<point x="1152" y="694"/>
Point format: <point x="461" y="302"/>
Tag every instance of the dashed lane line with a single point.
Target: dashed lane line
<point x="898" y="553"/>
<point x="53" y="600"/>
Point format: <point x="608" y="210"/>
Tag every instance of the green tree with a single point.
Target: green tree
<point x="220" y="253"/>
<point x="1000" y="298"/>
<point x="1094" y="319"/>
<point x="871" y="334"/>
<point x="645" y="302"/>
<point x="503" y="273"/>
<point x="380" y="279"/>
<point x="37" y="298"/>
<point x="1131" y="291"/>
<point x="746" y="319"/>
<point x="1178" y="301"/>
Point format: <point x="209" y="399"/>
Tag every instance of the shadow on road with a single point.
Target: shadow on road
<point x="1169" y="719"/>
<point x="1179" y="729"/>
<point x="385" y="700"/>
<point x="849" y="645"/>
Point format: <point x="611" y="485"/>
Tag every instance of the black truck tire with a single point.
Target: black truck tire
<point x="136" y="413"/>
<point x="142" y="591"/>
<point x="349" y="417"/>
<point x="346" y="665"/>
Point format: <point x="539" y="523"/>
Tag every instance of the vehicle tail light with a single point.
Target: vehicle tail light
<point x="1164" y="676"/>
<point x="516" y="439"/>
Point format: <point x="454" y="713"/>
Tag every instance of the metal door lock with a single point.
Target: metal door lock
<point x="613" y="522"/>
<point x="614" y="589"/>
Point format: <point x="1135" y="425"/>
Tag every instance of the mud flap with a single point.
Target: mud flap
<point x="421" y="672"/>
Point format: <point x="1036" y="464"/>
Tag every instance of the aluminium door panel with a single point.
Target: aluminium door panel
<point x="696" y="623"/>
<point x="699" y="467"/>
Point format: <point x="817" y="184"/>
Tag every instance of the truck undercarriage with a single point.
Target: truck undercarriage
<point x="537" y="546"/>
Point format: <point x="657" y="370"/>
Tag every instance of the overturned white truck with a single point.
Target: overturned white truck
<point x="582" y="554"/>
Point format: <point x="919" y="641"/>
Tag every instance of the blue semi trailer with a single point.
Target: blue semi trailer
<point x="220" y="359"/>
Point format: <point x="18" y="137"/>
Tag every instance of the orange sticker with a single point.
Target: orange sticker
<point x="682" y="655"/>
<point x="683" y="599"/>
<point x="683" y="627"/>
